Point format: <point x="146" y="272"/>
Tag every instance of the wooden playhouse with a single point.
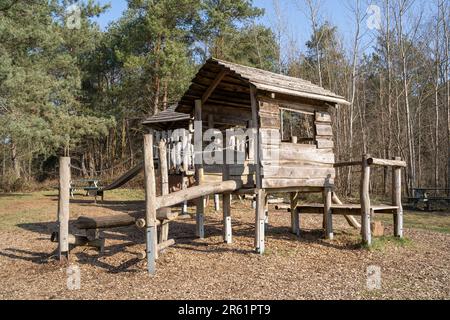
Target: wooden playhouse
<point x="284" y="145"/>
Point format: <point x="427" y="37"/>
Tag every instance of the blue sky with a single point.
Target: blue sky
<point x="295" y="23"/>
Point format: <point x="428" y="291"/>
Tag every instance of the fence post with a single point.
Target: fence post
<point x="397" y="199"/>
<point x="150" y="203"/>
<point x="64" y="207"/>
<point x="365" y="201"/>
<point x="328" y="213"/>
<point x="200" y="215"/>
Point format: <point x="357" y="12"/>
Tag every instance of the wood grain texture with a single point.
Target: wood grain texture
<point x="324" y="129"/>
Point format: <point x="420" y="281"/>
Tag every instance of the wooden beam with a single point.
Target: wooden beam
<point x="350" y="219"/>
<point x="109" y="222"/>
<point x="200" y="212"/>
<point x="347" y="164"/>
<point x="63" y="207"/>
<point x="398" y="163"/>
<point x="255" y="124"/>
<point x="365" y="201"/>
<point x="79" y="241"/>
<point x="374" y="162"/>
<point x="260" y="221"/>
<point x="197" y="192"/>
<point x="150" y="204"/>
<point x="213" y="85"/>
<point x="164" y="171"/>
<point x="227" y="228"/>
<point x="295" y="227"/>
<point x="328" y="213"/>
<point x="161" y="247"/>
<point x="397" y="199"/>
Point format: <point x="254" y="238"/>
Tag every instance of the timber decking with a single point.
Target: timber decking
<point x="346" y="209"/>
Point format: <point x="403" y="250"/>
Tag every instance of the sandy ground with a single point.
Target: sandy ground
<point x="306" y="268"/>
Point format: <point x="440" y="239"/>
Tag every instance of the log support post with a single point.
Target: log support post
<point x="150" y="204"/>
<point x="200" y="214"/>
<point x="184" y="186"/>
<point x="260" y="219"/>
<point x="164" y="171"/>
<point x="211" y="126"/>
<point x="295" y="223"/>
<point x="365" y="201"/>
<point x="266" y="211"/>
<point x="217" y="202"/>
<point x="227" y="226"/>
<point x="397" y="199"/>
<point x="328" y="213"/>
<point x="64" y="208"/>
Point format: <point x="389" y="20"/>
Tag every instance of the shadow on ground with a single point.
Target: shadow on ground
<point x="124" y="240"/>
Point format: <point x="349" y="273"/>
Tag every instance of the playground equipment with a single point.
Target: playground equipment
<point x="125" y="178"/>
<point x="283" y="116"/>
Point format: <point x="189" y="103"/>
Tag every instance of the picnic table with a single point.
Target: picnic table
<point x="87" y="185"/>
<point x="427" y="196"/>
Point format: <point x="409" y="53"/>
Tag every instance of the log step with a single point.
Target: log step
<point x="117" y="221"/>
<point x="89" y="223"/>
<point x="346" y="209"/>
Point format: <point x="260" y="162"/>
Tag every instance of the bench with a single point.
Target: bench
<point x="427" y="196"/>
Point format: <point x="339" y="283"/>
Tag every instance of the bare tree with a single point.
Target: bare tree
<point x="312" y="11"/>
<point x="280" y="29"/>
<point x="400" y="10"/>
<point x="445" y="14"/>
<point x="359" y="18"/>
<point x="437" y="62"/>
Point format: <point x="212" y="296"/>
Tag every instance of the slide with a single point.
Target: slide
<point x="125" y="178"/>
<point x="350" y="219"/>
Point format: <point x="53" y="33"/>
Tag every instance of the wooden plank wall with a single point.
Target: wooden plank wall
<point x="296" y="165"/>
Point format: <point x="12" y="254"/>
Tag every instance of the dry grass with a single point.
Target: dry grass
<point x="306" y="268"/>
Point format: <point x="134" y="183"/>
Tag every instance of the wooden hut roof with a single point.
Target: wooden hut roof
<point x="230" y="82"/>
<point x="167" y="119"/>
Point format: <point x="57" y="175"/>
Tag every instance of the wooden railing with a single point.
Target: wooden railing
<point x="367" y="162"/>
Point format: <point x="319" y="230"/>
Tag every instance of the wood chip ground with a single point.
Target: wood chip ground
<point x="306" y="268"/>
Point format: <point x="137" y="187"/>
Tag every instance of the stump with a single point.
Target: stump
<point x="377" y="228"/>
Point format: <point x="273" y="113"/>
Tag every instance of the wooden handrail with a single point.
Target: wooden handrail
<point x="373" y="162"/>
<point x="387" y="163"/>
<point x="347" y="164"/>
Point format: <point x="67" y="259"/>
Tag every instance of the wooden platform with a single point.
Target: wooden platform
<point x="346" y="209"/>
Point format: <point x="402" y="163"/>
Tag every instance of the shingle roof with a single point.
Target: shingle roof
<point x="167" y="117"/>
<point x="242" y="76"/>
<point x="278" y="83"/>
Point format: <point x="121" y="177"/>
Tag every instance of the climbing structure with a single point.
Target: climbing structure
<point x="282" y="142"/>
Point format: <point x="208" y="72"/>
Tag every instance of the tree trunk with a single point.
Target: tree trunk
<point x="389" y="89"/>
<point x="157" y="80"/>
<point x="15" y="161"/>
<point x="130" y="144"/>
<point x="83" y="165"/>
<point x="436" y="109"/>
<point x="404" y="67"/>
<point x="91" y="164"/>
<point x="447" y="65"/>
<point x="124" y="138"/>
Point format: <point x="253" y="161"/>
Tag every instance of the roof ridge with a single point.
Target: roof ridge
<point x="262" y="70"/>
<point x="295" y="80"/>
